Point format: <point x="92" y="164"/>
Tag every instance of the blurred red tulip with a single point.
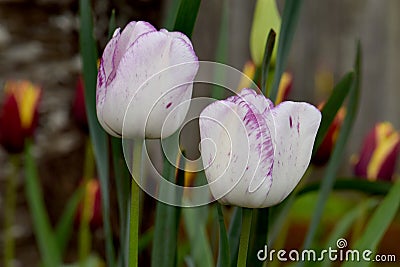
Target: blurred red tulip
<point x="18" y="114"/>
<point x="93" y="198"/>
<point x="379" y="153"/>
<point x="249" y="69"/>
<point x="79" y="107"/>
<point x="324" y="151"/>
<point x="285" y="86"/>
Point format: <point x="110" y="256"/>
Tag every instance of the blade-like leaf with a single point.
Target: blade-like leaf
<point x="172" y="11"/>
<point x="122" y="184"/>
<point x="266" y="17"/>
<point x="65" y="225"/>
<point x="290" y="17"/>
<point x="258" y="237"/>
<point x="334" y="162"/>
<point x="186" y="17"/>
<point x="223" y="251"/>
<point x="345" y="223"/>
<point x="332" y="106"/>
<point x="41" y="225"/>
<point x="165" y="231"/>
<point x="269" y="47"/>
<point x="355" y="183"/>
<point x="145" y="239"/>
<point x="234" y="235"/>
<point x="112" y="25"/>
<point x="195" y="226"/>
<point x="278" y="216"/>
<point x="98" y="136"/>
<point x="222" y="52"/>
<point x="378" y="224"/>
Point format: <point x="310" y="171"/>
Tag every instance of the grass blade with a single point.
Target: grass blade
<point x="259" y="233"/>
<point x="172" y="11"/>
<point x="165" y="233"/>
<point x="353" y="183"/>
<point x="122" y="184"/>
<point x="223" y="252"/>
<point x="186" y="17"/>
<point x="98" y="136"/>
<point x="342" y="228"/>
<point x="269" y="48"/>
<point x="65" y="225"/>
<point x="279" y="215"/>
<point x="332" y="106"/>
<point x="112" y="25"/>
<point x="234" y="235"/>
<point x="378" y="224"/>
<point x="44" y="235"/>
<point x="222" y="52"/>
<point x="335" y="160"/>
<point x="195" y="226"/>
<point x="290" y="17"/>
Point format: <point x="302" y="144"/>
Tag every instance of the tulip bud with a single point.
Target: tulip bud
<point x="254" y="154"/>
<point x="79" y="106"/>
<point x="324" y="151"/>
<point x="379" y="153"/>
<point x="266" y="17"/>
<point x="144" y="76"/>
<point x="285" y="86"/>
<point x="93" y="199"/>
<point x="19" y="114"/>
<point x="249" y="69"/>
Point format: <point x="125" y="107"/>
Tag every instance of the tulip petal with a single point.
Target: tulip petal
<point x="240" y="169"/>
<point x="263" y="104"/>
<point x="178" y="35"/>
<point x="129" y="35"/>
<point x="296" y="126"/>
<point x="11" y="132"/>
<point x="109" y="50"/>
<point x="147" y="84"/>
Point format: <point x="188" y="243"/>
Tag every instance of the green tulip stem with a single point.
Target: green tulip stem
<point x="244" y="236"/>
<point x="85" y="238"/>
<point x="134" y="205"/>
<point x="10" y="204"/>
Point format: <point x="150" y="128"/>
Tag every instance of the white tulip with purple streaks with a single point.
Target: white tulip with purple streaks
<point x="255" y="154"/>
<point x="144" y="75"/>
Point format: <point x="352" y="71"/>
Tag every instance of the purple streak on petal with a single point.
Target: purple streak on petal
<point x="257" y="128"/>
<point x="290" y="121"/>
<point x="107" y="57"/>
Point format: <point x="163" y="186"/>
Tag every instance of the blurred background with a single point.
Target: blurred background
<point x="39" y="42"/>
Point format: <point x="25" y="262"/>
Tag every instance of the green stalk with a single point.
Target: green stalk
<point x="84" y="230"/>
<point x="244" y="237"/>
<point x="134" y="205"/>
<point x="10" y="204"/>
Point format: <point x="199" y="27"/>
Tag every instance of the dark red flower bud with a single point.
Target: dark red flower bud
<point x="18" y="114"/>
<point x="324" y="151"/>
<point x="93" y="200"/>
<point x="379" y="153"/>
<point x="285" y="87"/>
<point x="79" y="106"/>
